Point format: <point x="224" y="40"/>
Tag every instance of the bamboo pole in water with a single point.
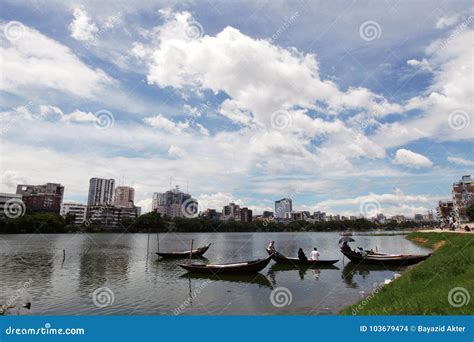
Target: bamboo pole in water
<point x="148" y="242"/>
<point x="158" y="242"/>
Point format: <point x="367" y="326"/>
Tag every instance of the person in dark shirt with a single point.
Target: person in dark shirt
<point x="346" y="248"/>
<point x="301" y="255"/>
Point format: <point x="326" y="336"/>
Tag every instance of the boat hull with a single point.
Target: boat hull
<point x="386" y="260"/>
<point x="254" y="266"/>
<point x="196" y="253"/>
<point x="281" y="259"/>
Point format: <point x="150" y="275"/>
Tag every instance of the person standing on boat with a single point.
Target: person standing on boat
<point x="301" y="254"/>
<point x="271" y="247"/>
<point x="314" y="254"/>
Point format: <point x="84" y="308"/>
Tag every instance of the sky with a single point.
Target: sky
<point x="351" y="108"/>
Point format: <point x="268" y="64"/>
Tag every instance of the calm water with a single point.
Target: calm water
<point x="32" y="269"/>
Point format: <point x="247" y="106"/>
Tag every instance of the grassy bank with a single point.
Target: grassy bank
<point x="423" y="289"/>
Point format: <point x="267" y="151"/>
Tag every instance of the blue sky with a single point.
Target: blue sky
<point x="346" y="107"/>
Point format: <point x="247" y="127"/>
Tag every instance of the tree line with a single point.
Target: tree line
<point x="153" y="222"/>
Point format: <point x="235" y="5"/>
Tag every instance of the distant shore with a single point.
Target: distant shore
<point x="437" y="286"/>
<point x="45" y="223"/>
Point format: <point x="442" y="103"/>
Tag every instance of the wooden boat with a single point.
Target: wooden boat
<point x="246" y="267"/>
<point x="281" y="259"/>
<point x="385" y="259"/>
<point x="196" y="253"/>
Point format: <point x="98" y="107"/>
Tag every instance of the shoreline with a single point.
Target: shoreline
<point x="427" y="288"/>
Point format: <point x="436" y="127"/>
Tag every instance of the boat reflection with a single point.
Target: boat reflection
<point x="352" y="269"/>
<point x="315" y="271"/>
<point x="256" y="279"/>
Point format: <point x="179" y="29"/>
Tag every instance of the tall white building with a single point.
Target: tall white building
<point x="101" y="191"/>
<point x="283" y="207"/>
<point x="77" y="209"/>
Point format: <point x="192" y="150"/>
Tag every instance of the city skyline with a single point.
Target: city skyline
<point x="385" y="117"/>
<point x="176" y="203"/>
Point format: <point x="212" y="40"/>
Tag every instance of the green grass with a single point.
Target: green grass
<point x="423" y="289"/>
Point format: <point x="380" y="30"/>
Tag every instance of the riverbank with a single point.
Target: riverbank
<point x="436" y="286"/>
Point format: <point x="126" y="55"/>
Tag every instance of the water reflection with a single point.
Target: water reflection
<point x="254" y="279"/>
<point x="353" y="270"/>
<point x="144" y="284"/>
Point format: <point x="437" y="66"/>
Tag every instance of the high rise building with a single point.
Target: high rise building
<point x="38" y="198"/>
<point x="463" y="197"/>
<point x="319" y="216"/>
<point x="101" y="191"/>
<point x="174" y="203"/>
<point x="283" y="208"/>
<point x="231" y="211"/>
<point x="158" y="199"/>
<point x="76" y="209"/>
<point x="124" y="196"/>
<point x="245" y="215"/>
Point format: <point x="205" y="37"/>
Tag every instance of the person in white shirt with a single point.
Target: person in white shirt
<point x="314" y="254"/>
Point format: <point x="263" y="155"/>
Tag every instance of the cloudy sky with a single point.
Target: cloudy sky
<point x="346" y="107"/>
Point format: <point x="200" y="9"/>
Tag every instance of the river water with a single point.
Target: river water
<point x="129" y="279"/>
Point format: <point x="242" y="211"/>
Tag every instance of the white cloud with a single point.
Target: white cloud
<point x="82" y="28"/>
<point x="145" y="205"/>
<point x="451" y="92"/>
<point x="38" y="62"/>
<point x="259" y="77"/>
<point x="461" y="161"/>
<point x="423" y="64"/>
<point x="203" y="130"/>
<point x="216" y="200"/>
<point x="177" y="152"/>
<point x="446" y="21"/>
<point x="411" y="159"/>
<point x="80" y="116"/>
<point x="160" y="122"/>
<point x="389" y="204"/>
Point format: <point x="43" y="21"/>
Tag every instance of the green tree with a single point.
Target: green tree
<point x="70" y="218"/>
<point x="151" y="222"/>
